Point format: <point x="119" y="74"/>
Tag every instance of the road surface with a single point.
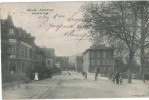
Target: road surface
<point x="74" y="86"/>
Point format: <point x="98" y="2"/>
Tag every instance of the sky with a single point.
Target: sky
<point x="51" y="24"/>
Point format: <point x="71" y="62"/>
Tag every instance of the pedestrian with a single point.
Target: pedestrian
<point x="133" y="75"/>
<point x="113" y="78"/>
<point x="36" y="77"/>
<point x="117" y="77"/>
<point x="69" y="74"/>
<point x="121" y="80"/>
<point x="96" y="74"/>
<point x="85" y="75"/>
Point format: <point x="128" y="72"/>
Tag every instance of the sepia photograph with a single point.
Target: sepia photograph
<point x="74" y="49"/>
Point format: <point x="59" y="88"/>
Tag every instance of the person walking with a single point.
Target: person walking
<point x="84" y="74"/>
<point x="113" y="78"/>
<point x="96" y="74"/>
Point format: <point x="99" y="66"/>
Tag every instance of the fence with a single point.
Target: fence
<point x="8" y="77"/>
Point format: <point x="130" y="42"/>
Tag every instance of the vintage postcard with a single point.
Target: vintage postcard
<point x="75" y="49"/>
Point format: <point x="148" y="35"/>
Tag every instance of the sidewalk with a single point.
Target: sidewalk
<point x="27" y="90"/>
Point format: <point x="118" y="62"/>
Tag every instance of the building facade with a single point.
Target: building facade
<point x="63" y="62"/>
<point x="25" y="56"/>
<point x="50" y="57"/>
<point x="98" y="56"/>
<point x="79" y="63"/>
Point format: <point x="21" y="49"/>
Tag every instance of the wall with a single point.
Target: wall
<point x="86" y="61"/>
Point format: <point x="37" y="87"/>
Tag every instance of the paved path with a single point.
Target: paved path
<point x="74" y="86"/>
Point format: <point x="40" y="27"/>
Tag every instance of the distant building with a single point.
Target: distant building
<point x="63" y="61"/>
<point x="79" y="63"/>
<point x="50" y="57"/>
<point x="98" y="56"/>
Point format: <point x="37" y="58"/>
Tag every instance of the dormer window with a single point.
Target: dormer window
<point x="11" y="31"/>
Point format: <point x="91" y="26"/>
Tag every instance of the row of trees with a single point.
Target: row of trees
<point x="123" y="24"/>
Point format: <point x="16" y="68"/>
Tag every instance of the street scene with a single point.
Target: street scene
<point x="70" y="50"/>
<point x="66" y="86"/>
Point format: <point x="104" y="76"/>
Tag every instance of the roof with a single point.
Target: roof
<point x="50" y="52"/>
<point x="98" y="47"/>
<point x="79" y="57"/>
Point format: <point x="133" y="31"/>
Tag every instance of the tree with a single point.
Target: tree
<point x="144" y="17"/>
<point x="117" y="20"/>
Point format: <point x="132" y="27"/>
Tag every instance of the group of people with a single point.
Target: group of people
<point x="116" y="78"/>
<point x="84" y="74"/>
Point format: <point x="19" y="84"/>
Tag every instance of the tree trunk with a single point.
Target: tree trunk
<point x="129" y="66"/>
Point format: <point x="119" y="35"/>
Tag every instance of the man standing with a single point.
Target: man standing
<point x="117" y="77"/>
<point x="96" y="74"/>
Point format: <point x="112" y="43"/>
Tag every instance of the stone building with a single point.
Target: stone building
<point x="98" y="56"/>
<point x="24" y="55"/>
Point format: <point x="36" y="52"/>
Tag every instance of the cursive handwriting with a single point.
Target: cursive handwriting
<point x="73" y="22"/>
<point x="80" y="36"/>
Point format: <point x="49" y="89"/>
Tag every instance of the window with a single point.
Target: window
<point x="111" y="62"/>
<point x="108" y="62"/>
<point x="12" y="67"/>
<point x="22" y="50"/>
<point x="98" y="55"/>
<point x="104" y="54"/>
<point x="93" y="62"/>
<point x="30" y="53"/>
<point x="103" y="61"/>
<point x="93" y="54"/>
<point x="13" y="48"/>
<point x="20" y="33"/>
<point x="23" y="70"/>
<point x="25" y="51"/>
<point x="98" y="62"/>
<point x="10" y="31"/>
<point x="35" y="56"/>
